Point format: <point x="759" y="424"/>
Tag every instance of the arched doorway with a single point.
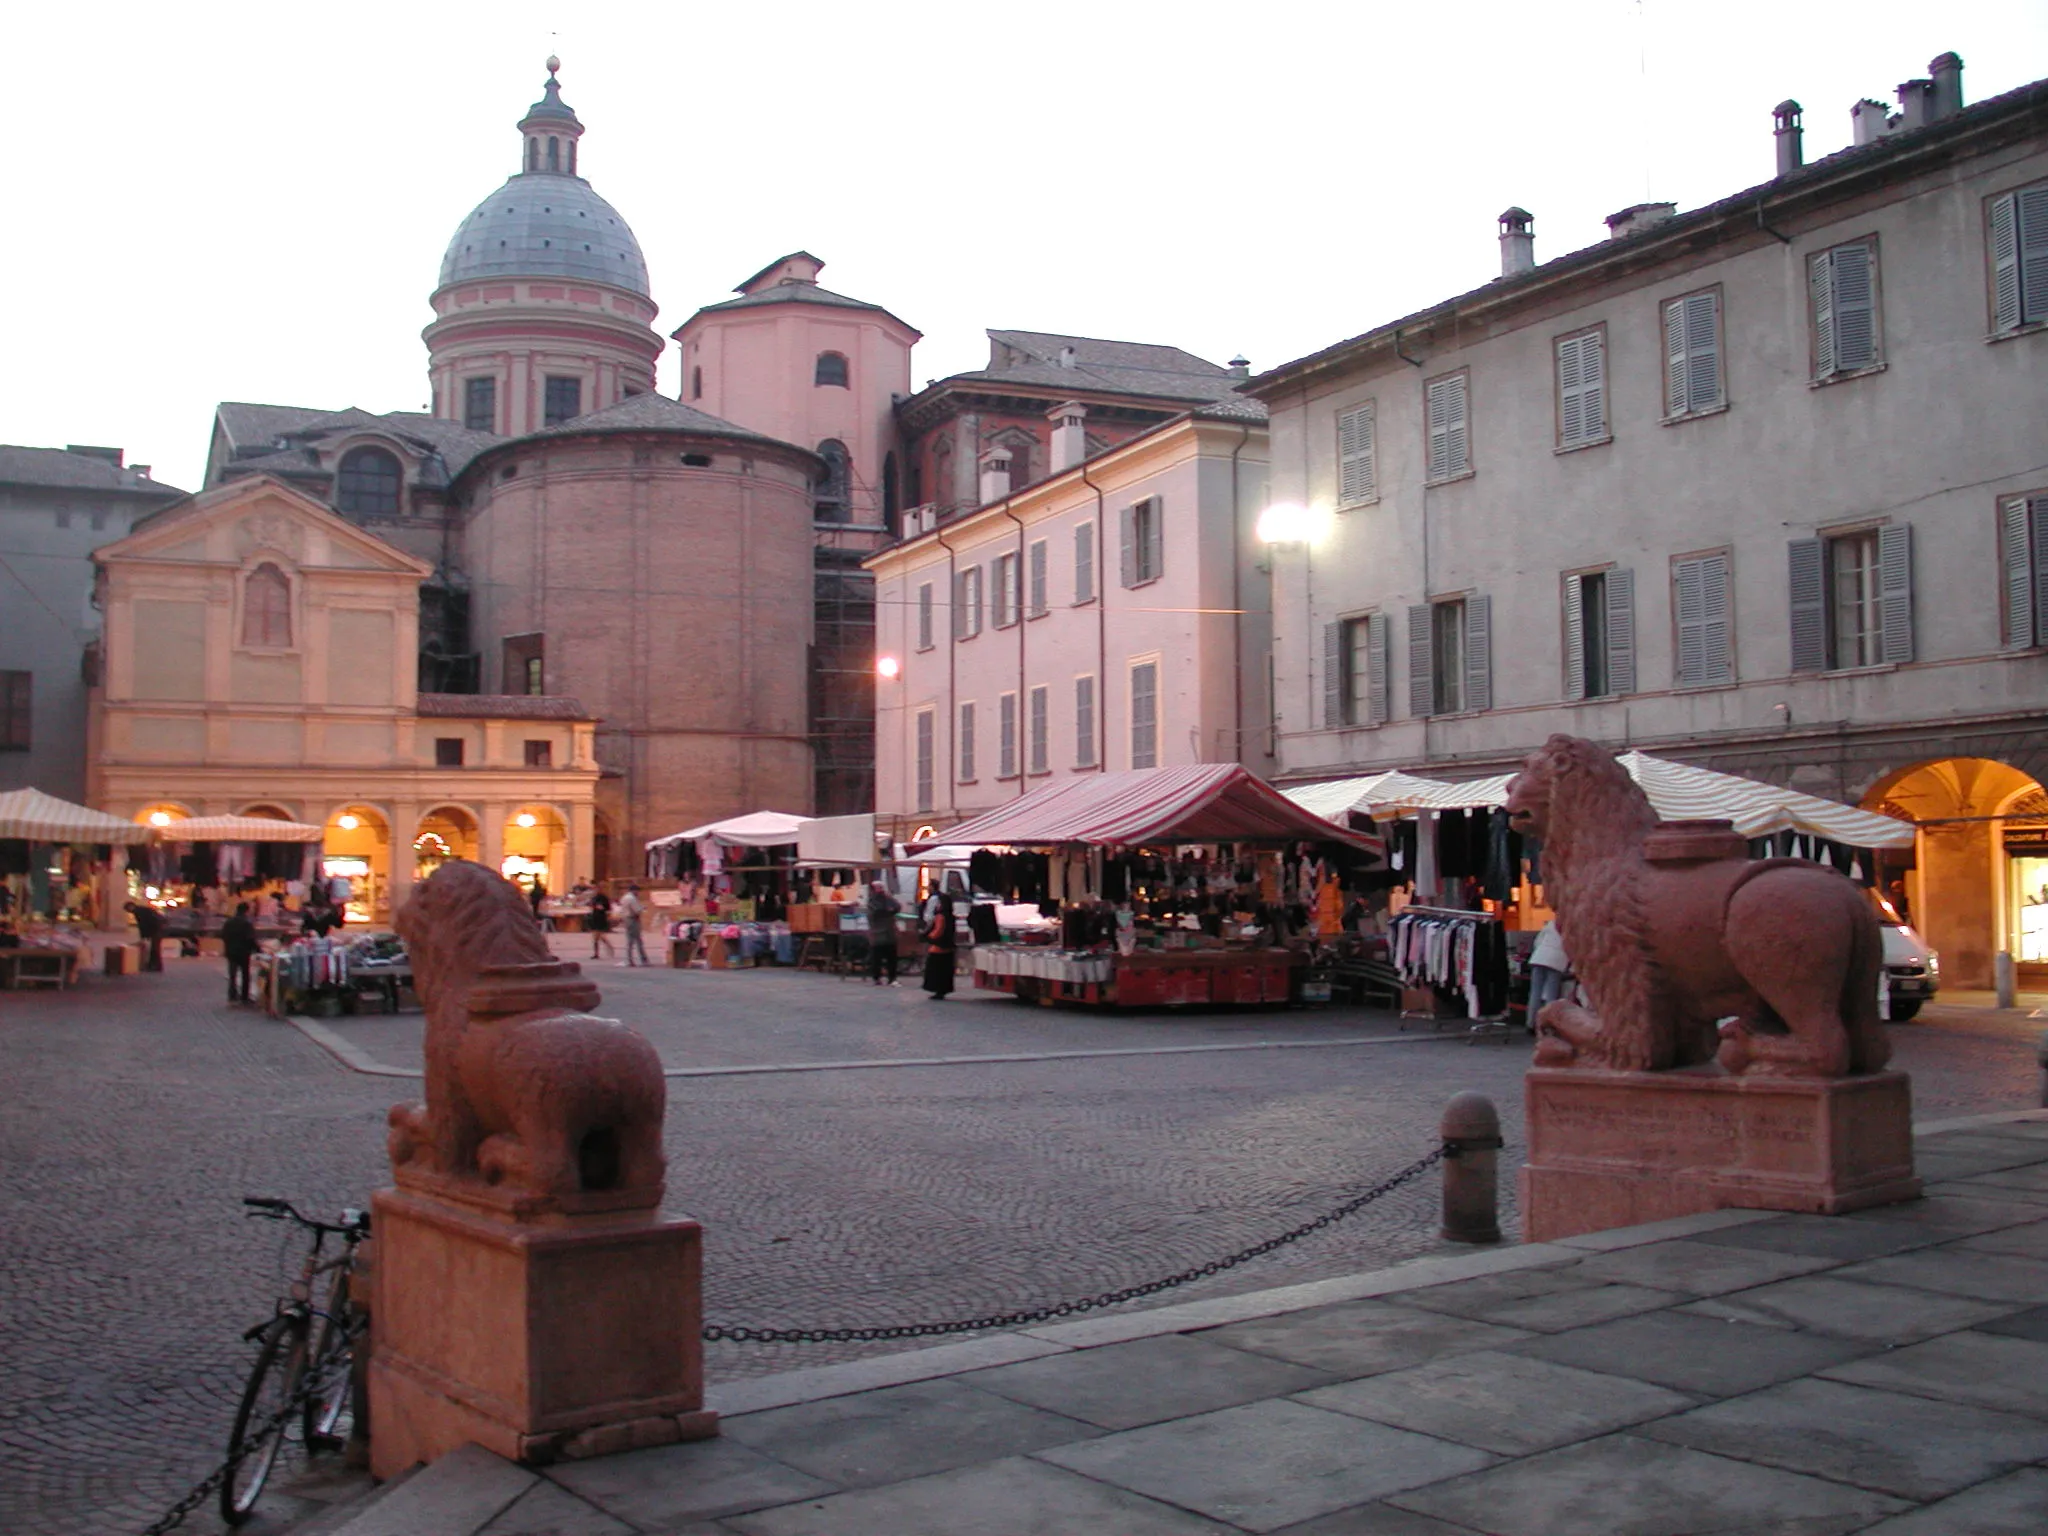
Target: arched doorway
<point x="357" y="845"/>
<point x="446" y="832"/>
<point x="267" y="810"/>
<point x="1979" y="882"/>
<point x="536" y="847"/>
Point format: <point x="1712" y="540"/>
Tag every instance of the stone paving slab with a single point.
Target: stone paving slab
<point x="654" y="1490"/>
<point x="1363" y="1338"/>
<point x="1707" y="1356"/>
<point x="1850" y="1309"/>
<point x="1989" y="1276"/>
<point x="1699" y="1269"/>
<point x="1980" y="1369"/>
<point x="2014" y="1505"/>
<point x="1825" y="1237"/>
<point x="1549" y="1300"/>
<point x="1123" y="1386"/>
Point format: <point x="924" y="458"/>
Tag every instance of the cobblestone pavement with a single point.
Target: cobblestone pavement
<point x="139" y="1110"/>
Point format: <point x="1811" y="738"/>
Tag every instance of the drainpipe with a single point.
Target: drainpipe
<point x="1101" y="626"/>
<point x="952" y="674"/>
<point x="1244" y="435"/>
<point x="1023" y="693"/>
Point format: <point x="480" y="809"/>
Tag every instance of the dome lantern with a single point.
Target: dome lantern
<point x="550" y="130"/>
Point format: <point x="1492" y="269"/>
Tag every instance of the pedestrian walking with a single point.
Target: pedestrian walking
<point x="600" y="924"/>
<point x="319" y="919"/>
<point x="149" y="927"/>
<point x="882" y="910"/>
<point x="238" y="942"/>
<point x="536" y="894"/>
<point x="942" y="949"/>
<point x="1548" y="967"/>
<point x="632" y="912"/>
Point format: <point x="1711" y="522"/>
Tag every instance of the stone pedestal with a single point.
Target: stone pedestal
<point x="1613" y="1149"/>
<point x="538" y="1339"/>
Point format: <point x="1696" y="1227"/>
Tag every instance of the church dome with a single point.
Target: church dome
<point x="546" y="225"/>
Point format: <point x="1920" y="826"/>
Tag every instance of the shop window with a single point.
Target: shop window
<point x="15" y="698"/>
<point x="540" y="754"/>
<point x="831" y="370"/>
<point x="448" y="751"/>
<point x="480" y="405"/>
<point x="562" y="400"/>
<point x="366" y="485"/>
<point x="266" y="608"/>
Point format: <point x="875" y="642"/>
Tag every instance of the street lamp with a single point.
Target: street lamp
<point x="159" y="818"/>
<point x="888" y="668"/>
<point x="1289" y="522"/>
<point x="526" y="819"/>
<point x="348" y="821"/>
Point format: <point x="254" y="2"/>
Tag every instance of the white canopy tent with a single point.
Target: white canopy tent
<point x="837" y="841"/>
<point x="761" y="829"/>
<point x="41" y="818"/>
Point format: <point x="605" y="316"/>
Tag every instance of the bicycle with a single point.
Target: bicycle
<point x="305" y="1366"/>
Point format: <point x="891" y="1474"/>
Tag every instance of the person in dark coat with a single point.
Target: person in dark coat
<point x="882" y="910"/>
<point x="320" y="918"/>
<point x="238" y="942"/>
<point x="942" y="949"/>
<point x="149" y="927"/>
<point x="600" y="924"/>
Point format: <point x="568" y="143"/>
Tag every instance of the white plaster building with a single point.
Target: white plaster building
<point x="1109" y="616"/>
<point x="1763" y="486"/>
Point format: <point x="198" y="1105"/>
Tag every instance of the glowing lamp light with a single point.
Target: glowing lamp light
<point x="526" y="819"/>
<point x="348" y="822"/>
<point x="159" y="818"/>
<point x="1287" y="522"/>
<point x="151" y="892"/>
<point x="889" y="668"/>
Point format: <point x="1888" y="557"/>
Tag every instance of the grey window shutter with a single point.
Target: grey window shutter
<point x="1421" y="663"/>
<point x="2037" y="520"/>
<point x="1702" y="351"/>
<point x="1084" y="562"/>
<point x="1574" y="638"/>
<point x="1155" y="540"/>
<point x="1807" y="560"/>
<point x="1674" y="357"/>
<point x="1127" y="521"/>
<point x="2015" y="556"/>
<point x="1716" y="631"/>
<point x="960" y="605"/>
<point x="1593" y="371"/>
<point x="1895" y="586"/>
<point x="1571" y="421"/>
<point x="1037" y="578"/>
<point x="1821" y="279"/>
<point x="1479" y="653"/>
<point x="2005" y="262"/>
<point x="1855" y="307"/>
<point x="1449" y="438"/>
<point x="1687" y="579"/>
<point x="1378" y="692"/>
<point x="1621" y="631"/>
<point x="2033" y="222"/>
<point x="1333" y="675"/>
<point x="1458" y="430"/>
<point x="1356" y="477"/>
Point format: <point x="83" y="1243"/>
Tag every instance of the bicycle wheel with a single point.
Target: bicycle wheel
<point x="272" y="1384"/>
<point x="328" y="1417"/>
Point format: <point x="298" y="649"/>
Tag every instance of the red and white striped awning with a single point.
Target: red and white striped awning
<point x="42" y="818"/>
<point x="239" y="829"/>
<point x="1205" y="803"/>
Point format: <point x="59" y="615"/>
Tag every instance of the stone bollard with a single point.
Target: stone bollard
<point x="2002" y="979"/>
<point x="2041" y="1056"/>
<point x="1471" y="1136"/>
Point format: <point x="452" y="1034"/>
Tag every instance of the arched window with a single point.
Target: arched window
<point x="830" y="504"/>
<point x="696" y="383"/>
<point x="367" y="484"/>
<point x="533" y="154"/>
<point x="266" y="607"/>
<point x="831" y="369"/>
<point x="554" y="153"/>
<point x="892" y="502"/>
<point x="572" y="157"/>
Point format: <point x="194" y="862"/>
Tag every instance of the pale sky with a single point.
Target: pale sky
<point x="250" y="202"/>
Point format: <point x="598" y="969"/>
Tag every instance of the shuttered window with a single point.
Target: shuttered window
<point x="1041" y="729"/>
<point x="1144" y="546"/>
<point x="1450" y="433"/>
<point x="967" y="603"/>
<point x="927" y="732"/>
<point x="963" y="751"/>
<point x="1145" y="714"/>
<point x="1084" y="562"/>
<point x="1355" y="671"/>
<point x="1358" y="478"/>
<point x="1692" y="354"/>
<point x="2019" y="258"/>
<point x="1002" y="600"/>
<point x="1450" y="656"/>
<point x="1084" y="722"/>
<point x="2023" y="553"/>
<point x="1582" y="389"/>
<point x="1843" y="286"/>
<point x="1599" y="634"/>
<point x="1035" y="578"/>
<point x="1852" y="599"/>
<point x="1006" y="736"/>
<point x="1700" y="602"/>
<point x="17" y="712"/>
<point x="924" y="616"/>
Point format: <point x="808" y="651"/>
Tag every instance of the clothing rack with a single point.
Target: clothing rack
<point x="1479" y="972"/>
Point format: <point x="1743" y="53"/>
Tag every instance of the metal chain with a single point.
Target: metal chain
<point x="717" y="1333"/>
<point x="311" y="1385"/>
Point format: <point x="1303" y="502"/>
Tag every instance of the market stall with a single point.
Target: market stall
<point x="60" y="873"/>
<point x="733" y="879"/>
<point x="197" y="868"/>
<point x="1168" y="886"/>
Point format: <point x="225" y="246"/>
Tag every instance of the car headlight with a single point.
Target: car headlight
<point x="1933" y="963"/>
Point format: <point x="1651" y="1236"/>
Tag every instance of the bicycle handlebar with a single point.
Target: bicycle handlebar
<point x="353" y="1224"/>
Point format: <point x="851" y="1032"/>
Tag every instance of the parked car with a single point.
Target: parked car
<point x="1912" y="970"/>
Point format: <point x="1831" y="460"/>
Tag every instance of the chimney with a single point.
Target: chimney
<point x="1068" y="357"/>
<point x="112" y="456"/>
<point x="1947" y="71"/>
<point x="1240" y="367"/>
<point x="1916" y="104"/>
<point x="995" y="475"/>
<point x="1869" y="121"/>
<point x="1517" y="243"/>
<point x="141" y="470"/>
<point x="1790" y="136"/>
<point x="1633" y="221"/>
<point x="1069" y="435"/>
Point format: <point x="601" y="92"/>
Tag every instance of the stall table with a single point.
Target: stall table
<point x="1161" y="978"/>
